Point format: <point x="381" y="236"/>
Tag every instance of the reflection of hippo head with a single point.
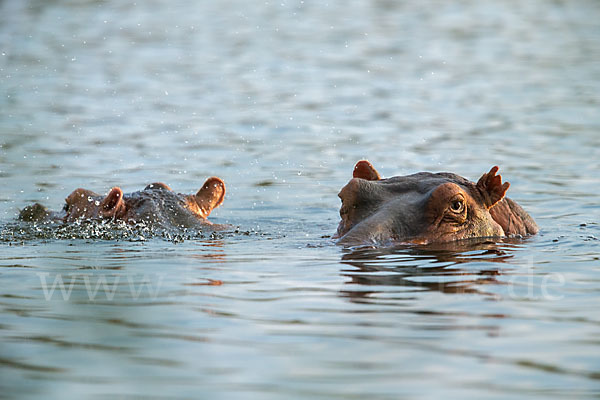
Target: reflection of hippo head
<point x="403" y="265"/>
<point x="427" y="208"/>
<point x="157" y="203"/>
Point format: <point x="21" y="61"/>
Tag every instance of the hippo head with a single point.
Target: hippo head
<point x="426" y="208"/>
<point x="151" y="204"/>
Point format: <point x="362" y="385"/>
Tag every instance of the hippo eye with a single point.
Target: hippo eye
<point x="66" y="207"/>
<point x="457" y="206"/>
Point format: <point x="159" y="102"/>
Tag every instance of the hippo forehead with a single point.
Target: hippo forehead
<point x="153" y="195"/>
<point x="404" y="197"/>
<point x="409" y="189"/>
<point x="422" y="182"/>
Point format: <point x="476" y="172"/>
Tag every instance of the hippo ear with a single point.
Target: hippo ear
<point x="210" y="195"/>
<point x="364" y="170"/>
<point x="112" y="205"/>
<point x="491" y="187"/>
<point x="158" y="185"/>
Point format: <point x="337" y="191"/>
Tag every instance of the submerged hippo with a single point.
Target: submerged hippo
<point x="427" y="208"/>
<point x="157" y="204"/>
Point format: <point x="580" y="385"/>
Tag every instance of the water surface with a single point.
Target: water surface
<point x="280" y="99"/>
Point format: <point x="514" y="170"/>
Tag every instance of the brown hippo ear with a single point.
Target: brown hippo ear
<point x="210" y="195"/>
<point x="364" y="170"/>
<point x="112" y="206"/>
<point x="158" y="185"/>
<point x="491" y="187"/>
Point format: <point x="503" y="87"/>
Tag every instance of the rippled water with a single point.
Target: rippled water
<point x="280" y="99"/>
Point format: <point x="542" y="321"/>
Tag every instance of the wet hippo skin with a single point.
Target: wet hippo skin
<point x="157" y="204"/>
<point x="427" y="208"/>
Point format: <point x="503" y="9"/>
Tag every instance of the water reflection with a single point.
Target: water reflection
<point x="210" y="251"/>
<point x="458" y="267"/>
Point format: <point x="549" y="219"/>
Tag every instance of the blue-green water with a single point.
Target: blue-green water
<point x="280" y="99"/>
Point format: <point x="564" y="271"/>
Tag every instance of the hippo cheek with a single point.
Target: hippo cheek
<point x="479" y="226"/>
<point x="490" y="228"/>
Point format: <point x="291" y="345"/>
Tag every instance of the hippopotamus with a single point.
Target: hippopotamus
<point x="157" y="205"/>
<point x="427" y="208"/>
